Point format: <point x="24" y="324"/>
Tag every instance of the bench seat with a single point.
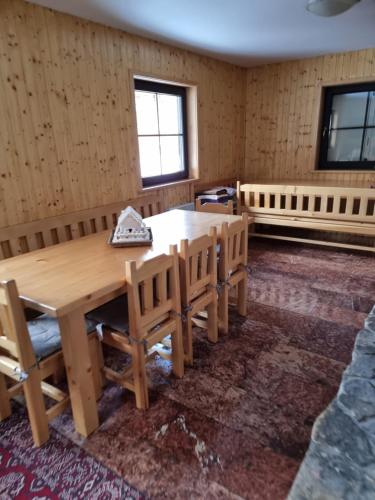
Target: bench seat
<point x="361" y="228"/>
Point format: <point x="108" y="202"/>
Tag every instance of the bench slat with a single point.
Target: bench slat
<point x="32" y="242"/>
<point x="61" y="234"/>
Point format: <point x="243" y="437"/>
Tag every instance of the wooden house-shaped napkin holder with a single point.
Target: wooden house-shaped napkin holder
<point x="130" y="231"/>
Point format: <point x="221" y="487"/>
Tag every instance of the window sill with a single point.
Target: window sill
<point x="344" y="171"/>
<point x="167" y="185"/>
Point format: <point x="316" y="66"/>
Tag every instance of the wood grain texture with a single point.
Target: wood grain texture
<point x="68" y="126"/>
<point x="282" y="114"/>
<point x="62" y="278"/>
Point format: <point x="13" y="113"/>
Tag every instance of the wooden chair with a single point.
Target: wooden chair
<point x="198" y="272"/>
<point x="216" y="208"/>
<point x="233" y="268"/>
<point x="140" y="323"/>
<point x="25" y="360"/>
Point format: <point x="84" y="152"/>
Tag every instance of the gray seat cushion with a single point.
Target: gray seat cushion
<point x="113" y="315"/>
<point x="45" y="335"/>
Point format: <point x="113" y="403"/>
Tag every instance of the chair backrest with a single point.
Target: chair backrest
<point x="324" y="202"/>
<point x="14" y="335"/>
<point x="153" y="291"/>
<point x="216" y="208"/>
<point x="198" y="265"/>
<point x="233" y="246"/>
<point x="199" y="186"/>
<point x="23" y="238"/>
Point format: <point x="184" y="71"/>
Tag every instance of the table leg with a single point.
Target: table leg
<point x="79" y="372"/>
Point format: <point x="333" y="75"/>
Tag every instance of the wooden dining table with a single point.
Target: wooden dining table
<point x="70" y="279"/>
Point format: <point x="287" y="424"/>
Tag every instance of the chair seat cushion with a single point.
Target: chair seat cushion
<point x="45" y="335"/>
<point x="113" y="314"/>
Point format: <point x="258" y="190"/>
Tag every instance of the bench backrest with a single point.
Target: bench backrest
<point x="323" y="202"/>
<point x="23" y="238"/>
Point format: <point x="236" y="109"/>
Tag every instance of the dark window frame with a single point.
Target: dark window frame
<point x="166" y="88"/>
<point x="329" y="93"/>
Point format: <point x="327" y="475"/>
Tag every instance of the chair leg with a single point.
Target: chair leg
<point x="188" y="339"/>
<point x="97" y="364"/>
<point x="242" y="297"/>
<point x="212" y="320"/>
<point x="178" y="351"/>
<point x="140" y="377"/>
<point x="5" y="408"/>
<point x="36" y="408"/>
<point x="223" y="309"/>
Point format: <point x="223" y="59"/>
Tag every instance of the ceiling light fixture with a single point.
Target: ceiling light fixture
<point x="327" y="8"/>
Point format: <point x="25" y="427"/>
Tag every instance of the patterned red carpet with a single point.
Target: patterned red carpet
<point x="59" y="469"/>
<point x="239" y="422"/>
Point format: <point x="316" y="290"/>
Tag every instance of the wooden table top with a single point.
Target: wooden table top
<point x="64" y="277"/>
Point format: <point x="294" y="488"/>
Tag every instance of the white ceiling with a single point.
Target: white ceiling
<point x="246" y="32"/>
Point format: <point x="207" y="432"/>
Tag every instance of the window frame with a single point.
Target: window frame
<point x="328" y="94"/>
<point x="165" y="88"/>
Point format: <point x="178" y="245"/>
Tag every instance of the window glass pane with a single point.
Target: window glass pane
<point x="345" y="145"/>
<point x="147" y="116"/>
<point x="369" y="145"/>
<point x="349" y="110"/>
<point x="149" y="156"/>
<point x="172" y="156"/>
<point x="371" y="110"/>
<point x="170" y="119"/>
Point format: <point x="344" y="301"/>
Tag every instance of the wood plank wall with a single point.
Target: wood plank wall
<point x="67" y="125"/>
<point x="282" y="114"/>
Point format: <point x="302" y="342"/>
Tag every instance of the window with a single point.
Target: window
<point x="161" y="124"/>
<point x="348" y="129"/>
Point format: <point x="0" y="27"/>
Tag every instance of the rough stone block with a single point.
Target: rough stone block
<point x="340" y="461"/>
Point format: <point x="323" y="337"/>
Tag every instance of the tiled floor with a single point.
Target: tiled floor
<point x="238" y="424"/>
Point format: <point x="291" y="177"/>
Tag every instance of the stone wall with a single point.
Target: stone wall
<point x="340" y="461"/>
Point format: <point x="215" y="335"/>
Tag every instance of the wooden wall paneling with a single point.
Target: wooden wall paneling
<point x="309" y="113"/>
<point x="300" y="114"/>
<point x="291" y="109"/>
<point x="57" y="101"/>
<point x="267" y="114"/>
<point x="280" y="143"/>
<point x="266" y="159"/>
<point x="16" y="156"/>
<point x="69" y="137"/>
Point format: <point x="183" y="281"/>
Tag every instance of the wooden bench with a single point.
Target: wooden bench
<point x="323" y="208"/>
<point x="23" y="238"/>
